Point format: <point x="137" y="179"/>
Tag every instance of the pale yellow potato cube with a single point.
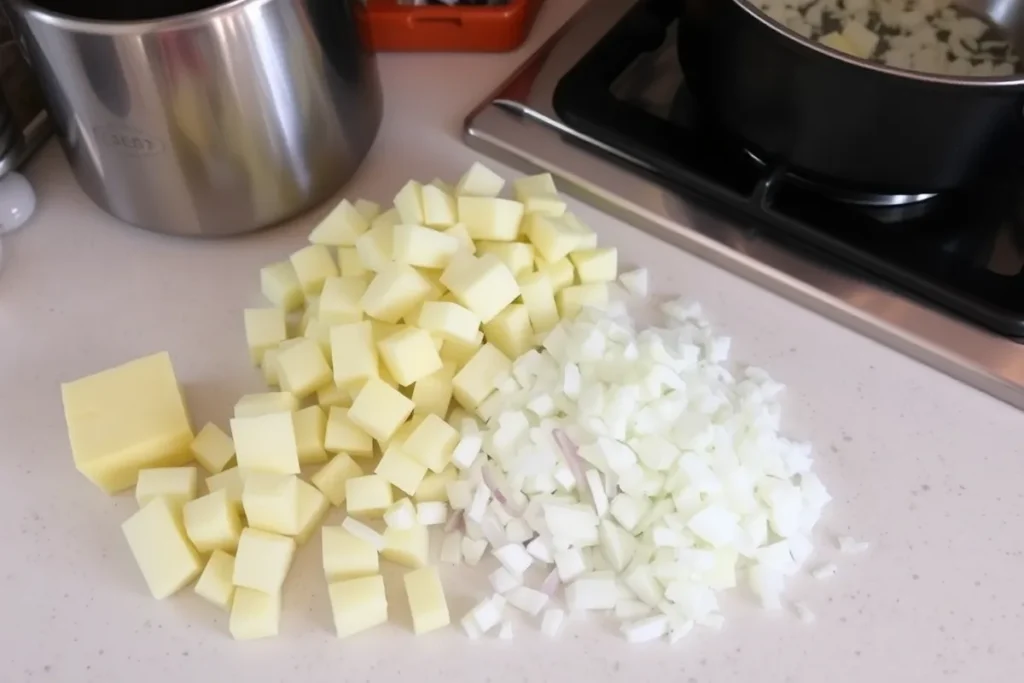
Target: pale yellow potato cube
<point x="280" y="285"/>
<point x="491" y="218"/>
<point x="434" y="486"/>
<point x="409" y="355"/>
<point x="441" y="184"/>
<point x="393" y="292"/>
<point x="212" y="522"/>
<point x="534" y="185"/>
<point x="433" y="394"/>
<point x="380" y="409"/>
<point x="358" y="604"/>
<point x="427" y="603"/>
<point x="424" y="247"/>
<point x="266" y="443"/>
<point x="432" y="443"/>
<point x="213" y="448"/>
<point x="254" y="614"/>
<point x="402" y="433"/>
<point x="214" y="584"/>
<point x="837" y="41"/>
<point x="596" y="265"/>
<point x="476" y="380"/>
<point x="511" y="331"/>
<point x="461" y="233"/>
<point x="588" y="238"/>
<point x="480" y="181"/>
<point x="449" y="321"/>
<point x="571" y="300"/>
<point x="561" y="273"/>
<point x="230" y="481"/>
<point x="407" y="547"/>
<point x="349" y="263"/>
<point x="263" y="560"/>
<point x="518" y="256"/>
<point x="400" y="470"/>
<point x="333" y="396"/>
<point x="177" y="484"/>
<point x="347" y="556"/>
<point x="368" y="209"/>
<point x="459" y="353"/>
<point x="382" y="330"/>
<point x="125" y="419"/>
<point x="484" y="285"/>
<point x="255" y="405"/>
<point x="368" y="496"/>
<point x="437" y="290"/>
<point x="318" y="331"/>
<point x="554" y="237"/>
<point x="271" y="502"/>
<point x="264" y="329"/>
<point x="344" y="435"/>
<point x="342" y="226"/>
<point x="158" y="542"/>
<point x="339" y="300"/>
<point x="374" y="247"/>
<point x="353" y="353"/>
<point x="302" y="368"/>
<point x="331" y="478"/>
<point x="409" y="203"/>
<point x="313" y="507"/>
<point x="310" y="432"/>
<point x="549" y="204"/>
<point x="313" y="265"/>
<point x="438" y="207"/>
<point x="269" y="367"/>
<point x="539" y="299"/>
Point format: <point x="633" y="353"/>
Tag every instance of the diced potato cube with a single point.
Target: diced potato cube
<point x="177" y="484"/>
<point x="554" y="237"/>
<point x="539" y="299"/>
<point x="214" y="584"/>
<point x="368" y="209"/>
<point x="395" y="291"/>
<point x="269" y="367"/>
<point x="596" y="265"/>
<point x="549" y="204"/>
<point x="313" y="507"/>
<point x="409" y="355"/>
<point x="476" y="381"/>
<point x="331" y="478"/>
<point x="427" y="603"/>
<point x="438" y="207"/>
<point x="432" y="443"/>
<point x="571" y="300"/>
<point x="358" y="604"/>
<point x="344" y="435"/>
<point x="212" y="522"/>
<point x="409" y="203"/>
<point x="443" y="185"/>
<point x="480" y="181"/>
<point x="310" y="431"/>
<point x="349" y="263"/>
<point x="213" y="448"/>
<point x="407" y="547"/>
<point x="374" y="247"/>
<point x="342" y="226"/>
<point x="561" y="273"/>
<point x="434" y="486"/>
<point x="517" y="256"/>
<point x="255" y="405"/>
<point x="347" y="556"/>
<point x="333" y="396"/>
<point x="490" y="218"/>
<point x="231" y="482"/>
<point x="158" y="542"/>
<point x="417" y="245"/>
<point x="459" y="232"/>
<point x="353" y="353"/>
<point x="126" y="419"/>
<point x="262" y="561"/>
<point x="860" y="38"/>
<point x="531" y="186"/>
<point x="449" y="320"/>
<point x="264" y="329"/>
<point x="368" y="496"/>
<point x="339" y="300"/>
<point x="280" y="285"/>
<point x="400" y="470"/>
<point x="271" y="502"/>
<point x="266" y="443"/>
<point x="254" y="614"/>
<point x="511" y="331"/>
<point x="302" y="368"/>
<point x="380" y="409"/>
<point x="458" y="352"/>
<point x="433" y="394"/>
<point x="313" y="265"/>
<point x="484" y="285"/>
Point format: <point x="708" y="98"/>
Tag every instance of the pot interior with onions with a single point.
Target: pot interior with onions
<point x="941" y="37"/>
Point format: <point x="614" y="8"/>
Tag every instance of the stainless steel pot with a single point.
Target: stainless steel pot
<point x="198" y="118"/>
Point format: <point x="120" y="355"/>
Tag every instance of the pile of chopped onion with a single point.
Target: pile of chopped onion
<point x="637" y="473"/>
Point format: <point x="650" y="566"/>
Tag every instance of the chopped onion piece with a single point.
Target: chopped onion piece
<point x="431" y="513"/>
<point x="514" y="558"/>
<point x="451" y="548"/>
<point x="473" y="549"/>
<point x="647" y="629"/>
<point x="804" y="613"/>
<point x="850" y="546"/>
<point x="825" y="571"/>
<point x="363" y="532"/>
<point x="527" y="599"/>
<point x="551" y="622"/>
<point x="591" y="591"/>
<point x="502" y="580"/>
<point x="506" y="630"/>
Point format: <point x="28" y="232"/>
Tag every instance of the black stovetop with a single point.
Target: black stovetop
<point x="962" y="250"/>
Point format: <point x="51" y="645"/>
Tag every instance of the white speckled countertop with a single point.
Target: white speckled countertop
<point x="927" y="469"/>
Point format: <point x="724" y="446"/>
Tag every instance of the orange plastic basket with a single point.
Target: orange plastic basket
<point x="394" y="27"/>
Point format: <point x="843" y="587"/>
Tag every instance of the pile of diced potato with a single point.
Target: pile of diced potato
<point x="385" y="331"/>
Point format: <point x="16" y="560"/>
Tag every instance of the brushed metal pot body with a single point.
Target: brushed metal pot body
<point x="193" y="118"/>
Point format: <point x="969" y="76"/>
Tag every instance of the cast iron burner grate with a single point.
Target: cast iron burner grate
<point x="962" y="250"/>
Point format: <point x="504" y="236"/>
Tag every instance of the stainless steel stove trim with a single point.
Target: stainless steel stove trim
<point x="519" y="126"/>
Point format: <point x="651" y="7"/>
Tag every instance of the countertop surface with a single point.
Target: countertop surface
<point x="926" y="469"/>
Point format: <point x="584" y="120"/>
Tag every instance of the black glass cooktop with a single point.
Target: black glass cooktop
<point x="962" y="250"/>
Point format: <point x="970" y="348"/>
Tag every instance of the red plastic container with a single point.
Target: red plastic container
<point x="393" y="27"/>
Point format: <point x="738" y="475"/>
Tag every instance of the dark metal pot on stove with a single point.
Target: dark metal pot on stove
<point x="839" y="119"/>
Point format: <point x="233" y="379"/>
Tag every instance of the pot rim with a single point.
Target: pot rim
<point x="72" y="23"/>
<point x="921" y="76"/>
